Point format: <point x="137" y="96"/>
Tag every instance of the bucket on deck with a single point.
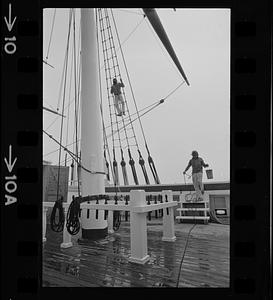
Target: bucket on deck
<point x="209" y="174"/>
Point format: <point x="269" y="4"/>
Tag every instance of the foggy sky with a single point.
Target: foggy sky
<point x="195" y="117"/>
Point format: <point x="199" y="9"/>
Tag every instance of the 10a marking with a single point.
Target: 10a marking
<point x="10" y="46"/>
<point x="10" y="185"/>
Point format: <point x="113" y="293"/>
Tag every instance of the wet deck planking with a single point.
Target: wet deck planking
<point x="105" y="262"/>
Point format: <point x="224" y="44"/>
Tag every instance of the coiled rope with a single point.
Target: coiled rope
<point x="72" y="218"/>
<point x="57" y="226"/>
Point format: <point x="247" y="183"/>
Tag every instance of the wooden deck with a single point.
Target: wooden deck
<point x="105" y="263"/>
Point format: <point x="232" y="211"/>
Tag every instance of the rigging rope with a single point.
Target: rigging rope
<point x="127" y="73"/>
<point x="130" y="34"/>
<point x="54" y="121"/>
<point x="117" y="73"/>
<point x="106" y="147"/>
<point x="183" y="254"/>
<point x="101" y="111"/>
<point x="77" y="103"/>
<point x="72" y="219"/>
<point x="61" y="133"/>
<point x="131" y="121"/>
<point x="45" y="62"/>
<point x="131" y="161"/>
<point x="52" y="26"/>
<point x="187" y="240"/>
<point x="73" y="155"/>
<point x="68" y="113"/>
<point x="104" y="40"/>
<point x="132" y="12"/>
<point x="57" y="226"/>
<point x="150" y="160"/>
<point x="76" y="100"/>
<point x="155" y="104"/>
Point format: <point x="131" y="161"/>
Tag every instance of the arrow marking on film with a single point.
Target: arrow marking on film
<point x="9" y="23"/>
<point x="9" y="163"/>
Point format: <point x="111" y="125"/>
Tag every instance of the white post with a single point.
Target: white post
<point x="44" y="223"/>
<point x="91" y="127"/>
<point x="138" y="229"/>
<point x="206" y="203"/>
<point x="110" y="220"/>
<point x="168" y="219"/>
<point x="66" y="236"/>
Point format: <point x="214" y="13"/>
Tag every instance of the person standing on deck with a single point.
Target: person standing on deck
<point x="119" y="102"/>
<point x="197" y="165"/>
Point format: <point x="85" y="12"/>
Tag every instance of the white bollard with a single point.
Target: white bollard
<point x="138" y="229"/>
<point x="66" y="236"/>
<point x="44" y="223"/>
<point x="168" y="219"/>
<point x="110" y="220"/>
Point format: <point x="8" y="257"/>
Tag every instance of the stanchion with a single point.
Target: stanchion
<point x="168" y="220"/>
<point x="110" y="221"/>
<point x="138" y="229"/>
<point x="44" y="223"/>
<point x="66" y="236"/>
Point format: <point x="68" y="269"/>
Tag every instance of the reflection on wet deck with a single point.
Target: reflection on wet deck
<point x="105" y="262"/>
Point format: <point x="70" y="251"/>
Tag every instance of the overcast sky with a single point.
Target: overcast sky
<point x="195" y="117"/>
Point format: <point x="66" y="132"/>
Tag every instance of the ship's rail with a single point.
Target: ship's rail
<point x="138" y="208"/>
<point x="153" y="188"/>
<point x="216" y="194"/>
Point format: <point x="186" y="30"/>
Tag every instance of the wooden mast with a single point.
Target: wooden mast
<point x="91" y="127"/>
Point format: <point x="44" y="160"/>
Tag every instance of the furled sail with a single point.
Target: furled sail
<point x="159" y="29"/>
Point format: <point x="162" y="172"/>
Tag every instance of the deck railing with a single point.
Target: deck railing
<point x="138" y="208"/>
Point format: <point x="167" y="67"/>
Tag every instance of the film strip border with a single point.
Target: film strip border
<point x="21" y="146"/>
<point x="250" y="107"/>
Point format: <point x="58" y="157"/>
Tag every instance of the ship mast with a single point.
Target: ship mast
<point x="91" y="131"/>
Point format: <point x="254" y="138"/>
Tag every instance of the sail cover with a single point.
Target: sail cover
<point x="158" y="27"/>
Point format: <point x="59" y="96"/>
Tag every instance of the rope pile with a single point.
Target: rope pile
<point x="57" y="226"/>
<point x="72" y="219"/>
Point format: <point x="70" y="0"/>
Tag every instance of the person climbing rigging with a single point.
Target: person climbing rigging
<point x="197" y="164"/>
<point x="119" y="102"/>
